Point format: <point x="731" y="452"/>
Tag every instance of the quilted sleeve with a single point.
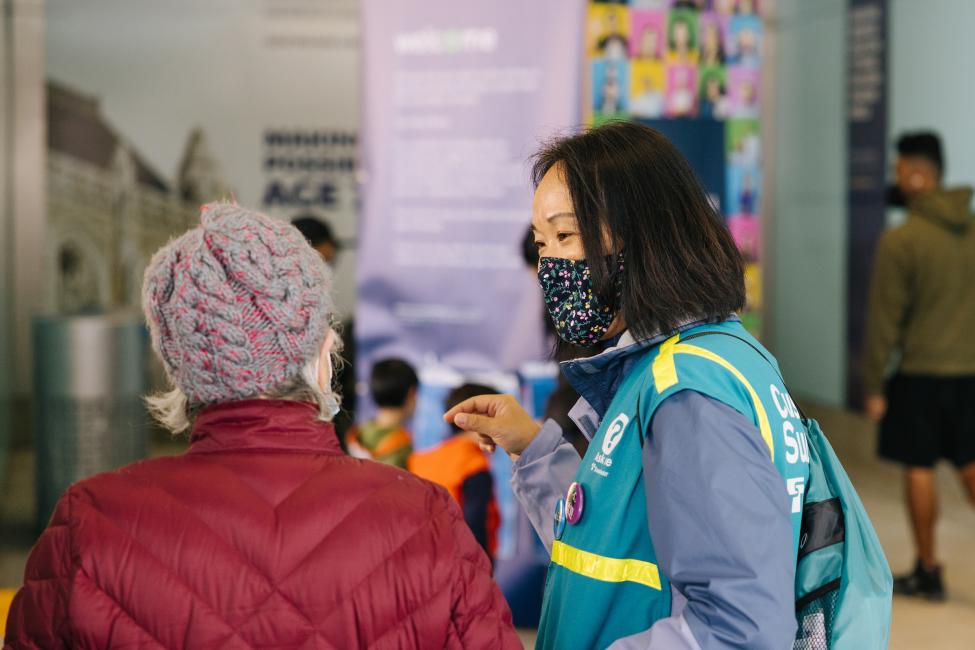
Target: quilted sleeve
<point x="39" y="613"/>
<point x="480" y="614"/>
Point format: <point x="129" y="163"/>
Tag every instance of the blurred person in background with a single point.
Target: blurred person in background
<point x="386" y="438"/>
<point x="320" y="235"/>
<point x="921" y="320"/>
<point x="264" y="534"/>
<point x="322" y="238"/>
<point x="459" y="465"/>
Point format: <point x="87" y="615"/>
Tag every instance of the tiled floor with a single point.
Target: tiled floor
<point x="948" y="626"/>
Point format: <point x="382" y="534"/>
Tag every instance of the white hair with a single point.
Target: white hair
<point x="173" y="410"/>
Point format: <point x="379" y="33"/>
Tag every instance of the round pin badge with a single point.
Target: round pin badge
<point x="558" y="526"/>
<point x="574" y="503"/>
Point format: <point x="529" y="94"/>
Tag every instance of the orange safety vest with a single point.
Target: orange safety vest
<point x="449" y="465"/>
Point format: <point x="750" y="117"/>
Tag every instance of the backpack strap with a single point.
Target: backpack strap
<point x="665" y="376"/>
<point x="805" y="418"/>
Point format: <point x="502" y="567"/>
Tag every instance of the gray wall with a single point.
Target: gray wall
<point x="806" y="241"/>
<point x="22" y="198"/>
<point x="931" y="70"/>
<point x="6" y="261"/>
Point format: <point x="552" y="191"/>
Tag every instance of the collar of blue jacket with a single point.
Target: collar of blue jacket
<point x="597" y="378"/>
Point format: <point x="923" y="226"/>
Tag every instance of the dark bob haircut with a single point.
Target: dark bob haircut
<point x="629" y="181"/>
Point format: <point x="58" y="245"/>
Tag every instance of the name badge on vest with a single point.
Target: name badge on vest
<point x="558" y="526"/>
<point x="574" y="503"/>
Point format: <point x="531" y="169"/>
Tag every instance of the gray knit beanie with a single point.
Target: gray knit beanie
<point x="237" y="306"/>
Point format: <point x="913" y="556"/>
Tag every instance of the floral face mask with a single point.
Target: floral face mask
<point x="580" y="317"/>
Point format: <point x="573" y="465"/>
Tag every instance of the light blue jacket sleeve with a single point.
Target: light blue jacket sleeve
<point x="722" y="533"/>
<point x="541" y="476"/>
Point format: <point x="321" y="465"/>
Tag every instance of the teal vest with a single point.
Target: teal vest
<point x="603" y="582"/>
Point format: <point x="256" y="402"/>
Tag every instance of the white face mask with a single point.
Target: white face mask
<point x="332" y="405"/>
<point x="327" y="384"/>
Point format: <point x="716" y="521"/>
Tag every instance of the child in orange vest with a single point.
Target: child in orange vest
<point x="393" y="384"/>
<point x="459" y="465"/>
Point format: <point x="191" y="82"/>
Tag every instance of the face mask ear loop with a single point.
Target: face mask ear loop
<point x="614" y="271"/>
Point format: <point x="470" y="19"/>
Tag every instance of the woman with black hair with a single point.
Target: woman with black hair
<point x="712" y="47"/>
<point x="680" y="526"/>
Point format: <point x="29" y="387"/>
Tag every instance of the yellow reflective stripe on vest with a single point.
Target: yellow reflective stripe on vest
<point x="606" y="569"/>
<point x="665" y="376"/>
<point x="664" y="368"/>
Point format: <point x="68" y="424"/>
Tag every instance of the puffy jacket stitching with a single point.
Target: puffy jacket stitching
<point x="490" y="604"/>
<point x="337" y="605"/>
<point x="237" y="553"/>
<point x="65" y="593"/>
<point x="274" y="587"/>
<point x="403" y="621"/>
<point x="233" y="630"/>
<point x="122" y="608"/>
<point x="62" y="631"/>
<point x="67" y="528"/>
<point x="338" y="525"/>
<point x="160" y="563"/>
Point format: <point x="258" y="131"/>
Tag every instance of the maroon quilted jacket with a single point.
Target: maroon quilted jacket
<point x="263" y="535"/>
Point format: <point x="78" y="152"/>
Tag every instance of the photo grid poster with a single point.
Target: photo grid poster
<point x="691" y="69"/>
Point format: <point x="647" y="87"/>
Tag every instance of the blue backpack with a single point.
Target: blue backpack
<point x="843" y="582"/>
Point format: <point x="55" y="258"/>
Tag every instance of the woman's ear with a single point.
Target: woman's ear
<point x="325" y="362"/>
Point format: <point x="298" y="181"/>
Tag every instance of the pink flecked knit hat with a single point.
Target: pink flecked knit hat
<point x="236" y="306"/>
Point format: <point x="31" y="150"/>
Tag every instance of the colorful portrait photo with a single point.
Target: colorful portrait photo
<point x="724" y="7"/>
<point x="746" y="7"/>
<point x="743" y="139"/>
<point x="745" y="40"/>
<point x="648" y="35"/>
<point x="607" y="31"/>
<point x="657" y="5"/>
<point x="681" y="91"/>
<point x="743" y="189"/>
<point x="746" y="230"/>
<point x="753" y="287"/>
<point x="744" y="84"/>
<point x="610" y="84"/>
<point x="648" y="88"/>
<point x="682" y="37"/>
<point x="714" y="103"/>
<point x="712" y="35"/>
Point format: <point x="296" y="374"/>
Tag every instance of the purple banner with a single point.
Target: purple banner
<point x="456" y="98"/>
